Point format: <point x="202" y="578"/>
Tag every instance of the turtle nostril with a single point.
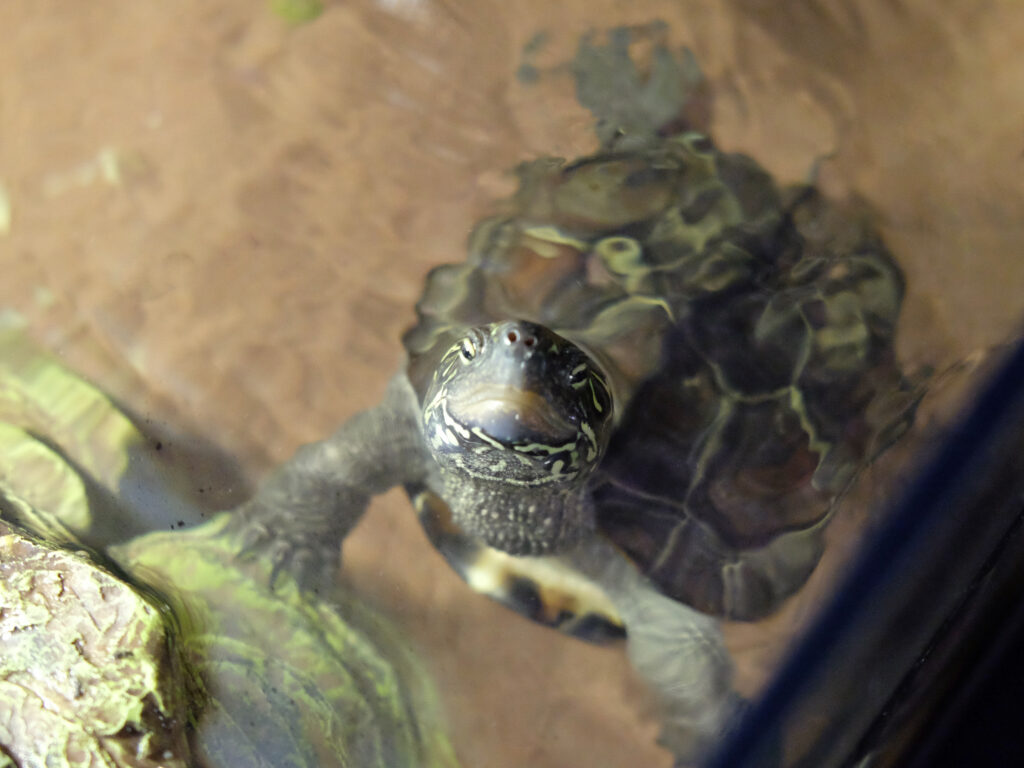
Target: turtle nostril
<point x="517" y="333"/>
<point x="527" y="339"/>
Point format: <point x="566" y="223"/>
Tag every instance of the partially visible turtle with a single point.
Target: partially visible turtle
<point x="643" y="390"/>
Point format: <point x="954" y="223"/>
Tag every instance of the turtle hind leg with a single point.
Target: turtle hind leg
<point x="635" y="95"/>
<point x="634" y="104"/>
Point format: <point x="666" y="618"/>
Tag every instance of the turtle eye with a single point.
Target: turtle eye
<point x="472" y="344"/>
<point x="578" y="375"/>
<point x="469" y="348"/>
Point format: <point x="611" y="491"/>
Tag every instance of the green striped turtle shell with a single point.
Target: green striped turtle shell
<point x="745" y="331"/>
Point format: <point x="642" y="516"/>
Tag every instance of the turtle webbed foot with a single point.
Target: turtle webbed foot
<point x="632" y="103"/>
<point x="308" y="554"/>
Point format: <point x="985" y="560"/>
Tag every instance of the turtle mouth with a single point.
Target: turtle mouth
<point x="512" y="415"/>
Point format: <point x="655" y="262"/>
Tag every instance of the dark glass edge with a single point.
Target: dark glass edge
<point x="955" y="473"/>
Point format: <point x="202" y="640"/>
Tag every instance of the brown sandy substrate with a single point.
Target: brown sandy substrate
<point x="225" y="222"/>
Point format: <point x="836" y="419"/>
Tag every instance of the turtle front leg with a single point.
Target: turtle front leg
<point x="302" y="511"/>
<point x="678" y="651"/>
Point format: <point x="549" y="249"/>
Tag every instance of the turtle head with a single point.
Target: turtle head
<point x="516" y="418"/>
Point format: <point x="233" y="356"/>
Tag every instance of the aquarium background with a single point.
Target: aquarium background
<point x="222" y="212"/>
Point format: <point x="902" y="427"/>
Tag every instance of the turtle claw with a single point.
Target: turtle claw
<point x="253" y="537"/>
<point x="311" y="565"/>
<point x="311" y="560"/>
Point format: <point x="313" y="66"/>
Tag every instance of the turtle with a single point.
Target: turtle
<point x="633" y="405"/>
